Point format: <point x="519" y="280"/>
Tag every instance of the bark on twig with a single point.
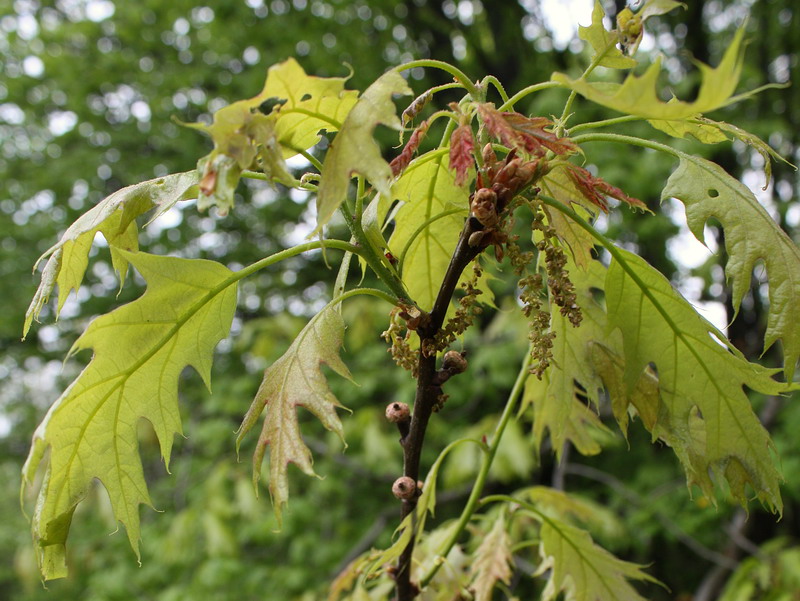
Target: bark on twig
<point x="428" y="392"/>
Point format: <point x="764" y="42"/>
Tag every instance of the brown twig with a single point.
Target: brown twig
<point x="429" y="391"/>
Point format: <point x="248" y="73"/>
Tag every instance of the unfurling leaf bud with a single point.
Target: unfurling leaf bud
<point x="397" y="412"/>
<point x="454" y="362"/>
<point x="404" y="488"/>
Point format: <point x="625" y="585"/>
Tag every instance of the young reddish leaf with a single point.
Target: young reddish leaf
<point x="296" y="380"/>
<point x="525" y="133"/>
<point x="595" y="189"/>
<point x="401" y="161"/>
<point x="461" y="146"/>
<point x="532" y="131"/>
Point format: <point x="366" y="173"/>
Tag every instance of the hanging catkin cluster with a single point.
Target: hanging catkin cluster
<point x="464" y="316"/>
<point x="397" y="335"/>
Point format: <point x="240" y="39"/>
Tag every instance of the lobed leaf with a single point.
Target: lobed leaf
<point x="603" y="42"/>
<point x="354" y="150"/>
<point x="750" y="236"/>
<point x="428" y="189"/>
<point x="492" y="561"/>
<point x="708" y="131"/>
<point x="114" y="217"/>
<point x="638" y="95"/>
<point x="581" y="569"/>
<point x="311" y="104"/>
<point x="296" y="380"/>
<point x="140" y="349"/>
<point x="704" y="414"/>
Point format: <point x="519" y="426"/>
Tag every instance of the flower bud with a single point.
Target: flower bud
<point x="454" y="362"/>
<point x="404" y="488"/>
<point x="397" y="412"/>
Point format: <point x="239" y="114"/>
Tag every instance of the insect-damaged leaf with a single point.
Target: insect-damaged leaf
<point x="296" y="380"/>
<point x="750" y="236"/>
<point x="638" y="96"/>
<point x="140" y="350"/>
<point x="113" y="217"/>
<point x="354" y="150"/>
<point x="704" y="413"/>
<point x="311" y="104"/>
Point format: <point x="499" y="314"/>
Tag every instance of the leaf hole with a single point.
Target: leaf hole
<point x="713" y="193"/>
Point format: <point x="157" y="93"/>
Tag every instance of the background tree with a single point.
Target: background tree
<point x="109" y="126"/>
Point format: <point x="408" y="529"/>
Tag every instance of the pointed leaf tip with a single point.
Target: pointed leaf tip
<point x="296" y="380"/>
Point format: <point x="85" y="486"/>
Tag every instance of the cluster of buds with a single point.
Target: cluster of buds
<point x="498" y="183"/>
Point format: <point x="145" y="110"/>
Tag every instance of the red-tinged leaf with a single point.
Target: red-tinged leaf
<point x="402" y="160"/>
<point x="524" y="133"/>
<point x="461" y="146"/>
<point x="532" y="131"/>
<point x="596" y="189"/>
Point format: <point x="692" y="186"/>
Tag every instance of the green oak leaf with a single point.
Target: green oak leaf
<point x="581" y="569"/>
<point x="604" y="42"/>
<point x="492" y="560"/>
<point x="311" y="104"/>
<point x="354" y="150"/>
<point x="140" y="350"/>
<point x="709" y="131"/>
<point x="114" y="217"/>
<point x="704" y="411"/>
<point x="638" y="95"/>
<point x="296" y="380"/>
<point x="433" y="202"/>
<point x="750" y="236"/>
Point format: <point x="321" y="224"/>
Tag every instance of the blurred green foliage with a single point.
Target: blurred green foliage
<point x="88" y="91"/>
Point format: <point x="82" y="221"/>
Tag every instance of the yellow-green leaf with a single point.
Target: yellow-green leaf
<point x="750" y="236"/>
<point x="140" y="350"/>
<point x="581" y="569"/>
<point x="114" y="218"/>
<point x="296" y="380"/>
<point x="354" y="150"/>
<point x="604" y="42"/>
<point x="492" y="560"/>
<point x="433" y="202"/>
<point x="707" y="133"/>
<point x="312" y="104"/>
<point x="638" y="95"/>
<point x="707" y="416"/>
